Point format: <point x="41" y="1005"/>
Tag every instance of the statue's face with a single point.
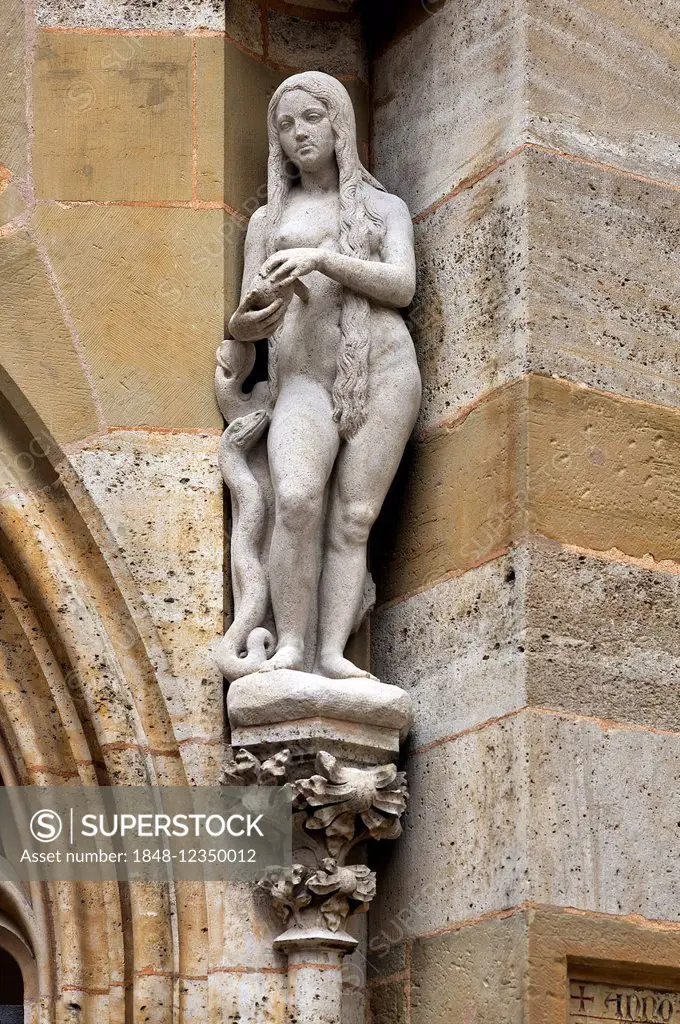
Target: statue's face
<point x="305" y="131"/>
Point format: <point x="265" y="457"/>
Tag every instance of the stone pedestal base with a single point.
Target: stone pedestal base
<point x="357" y="720"/>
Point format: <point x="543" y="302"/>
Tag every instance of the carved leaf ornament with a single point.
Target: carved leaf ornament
<point x="349" y="806"/>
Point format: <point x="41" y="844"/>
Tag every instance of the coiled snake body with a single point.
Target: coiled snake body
<point x="246" y="644"/>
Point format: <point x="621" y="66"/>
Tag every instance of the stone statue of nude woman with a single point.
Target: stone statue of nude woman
<point x="309" y="456"/>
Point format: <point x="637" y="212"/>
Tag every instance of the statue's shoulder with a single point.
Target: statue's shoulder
<point x="387" y="204"/>
<point x="258" y="217"/>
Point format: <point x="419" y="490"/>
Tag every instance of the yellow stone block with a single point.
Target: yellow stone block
<point x="13" y="133"/>
<point x="249" y="86"/>
<point x="37" y="351"/>
<point x="113" y="117"/>
<point x="145" y="289"/>
<point x="462" y="500"/>
<point x="604" y="471"/>
<point x="541" y="456"/>
<point x="210" y="118"/>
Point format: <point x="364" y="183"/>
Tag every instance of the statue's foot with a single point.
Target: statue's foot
<point x="287" y="656"/>
<point x="337" y="667"/>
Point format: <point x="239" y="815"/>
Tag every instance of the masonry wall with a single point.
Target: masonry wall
<point x="529" y="587"/>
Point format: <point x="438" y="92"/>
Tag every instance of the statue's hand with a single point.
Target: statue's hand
<point x="251" y="324"/>
<point x="285" y="267"/>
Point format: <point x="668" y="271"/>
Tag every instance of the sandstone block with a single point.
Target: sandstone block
<point x="543" y="456"/>
<point x="602" y="298"/>
<point x="452" y="112"/>
<point x="244" y="23"/>
<point x="332" y="45"/>
<point x="130" y="14"/>
<point x="38" y="352"/>
<point x="457" y="648"/>
<point x="161" y="497"/>
<point x="475" y="974"/>
<point x="468" y="320"/>
<point x="13" y="130"/>
<point x="602" y="638"/>
<point x="459" y="498"/>
<point x="559" y="939"/>
<point x="388" y="1003"/>
<point x="602" y="81"/>
<point x="210" y="114"/>
<point x="145" y="289"/>
<point x="464" y="850"/>
<point x="602" y="470"/>
<point x="249" y="84"/>
<point x="497" y="75"/>
<point x="498" y="816"/>
<point x="112" y="117"/>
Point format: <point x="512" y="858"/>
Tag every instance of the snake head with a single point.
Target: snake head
<point x="247" y="430"/>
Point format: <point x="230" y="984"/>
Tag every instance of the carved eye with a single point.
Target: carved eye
<point x="286" y="124"/>
<point x="313" y="116"/>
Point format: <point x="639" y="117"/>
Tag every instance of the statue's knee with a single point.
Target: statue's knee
<point x="299" y="507"/>
<point x="355" y="522"/>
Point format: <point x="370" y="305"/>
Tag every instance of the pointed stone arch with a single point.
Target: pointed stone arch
<point x="80" y="703"/>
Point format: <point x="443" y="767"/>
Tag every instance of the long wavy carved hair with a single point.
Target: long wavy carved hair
<point x="350" y="389"/>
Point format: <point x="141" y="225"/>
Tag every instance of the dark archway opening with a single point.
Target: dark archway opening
<point x="11" y="990"/>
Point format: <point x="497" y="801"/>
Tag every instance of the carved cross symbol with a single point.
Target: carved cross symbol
<point x="583" y="999"/>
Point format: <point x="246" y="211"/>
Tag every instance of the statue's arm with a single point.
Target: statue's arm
<point x="248" y="323"/>
<point x="390" y="282"/>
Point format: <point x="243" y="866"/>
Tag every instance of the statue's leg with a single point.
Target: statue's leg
<point x="302" y="446"/>
<point x="365" y="469"/>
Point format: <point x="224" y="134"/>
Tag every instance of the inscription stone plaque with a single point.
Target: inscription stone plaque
<point x="606" y="1001"/>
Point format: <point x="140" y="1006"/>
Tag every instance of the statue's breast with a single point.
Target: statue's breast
<point x="313" y="226"/>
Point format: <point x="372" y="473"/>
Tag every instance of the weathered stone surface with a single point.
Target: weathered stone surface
<point x="457" y="648"/>
<point x="161" y="495"/>
<point x="244" y="927"/>
<point x="145" y="289"/>
<point x="12" y="201"/>
<point x="510" y="280"/>
<point x="468" y="319"/>
<point x="569" y="463"/>
<point x="496" y="76"/>
<point x="497" y="817"/>
<point x="464" y="850"/>
<point x="602" y="81"/>
<point x="602" y="297"/>
<point x="37" y="350"/>
<point x="244" y="23"/>
<point x="625" y="782"/>
<point x="308" y="44"/>
<point x="130" y="14"/>
<point x="603" y="471"/>
<point x="30" y="713"/>
<point x="113" y="117"/>
<point x="388" y="1003"/>
<point x="602" y="638"/>
<point x="469" y="69"/>
<point x="241" y="997"/>
<point x="475" y="974"/>
<point x="459" y="499"/>
<point x="535" y="627"/>
<point x="210" y="112"/>
<point x="13" y="130"/>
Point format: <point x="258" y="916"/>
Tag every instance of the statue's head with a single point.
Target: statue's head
<point x="311" y="120"/>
